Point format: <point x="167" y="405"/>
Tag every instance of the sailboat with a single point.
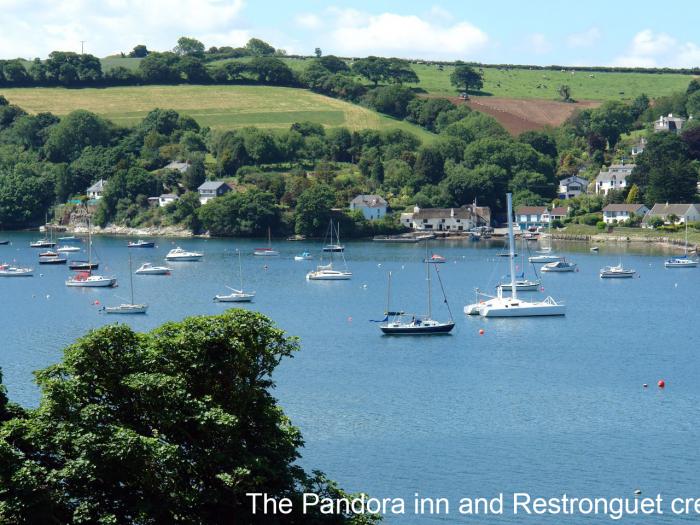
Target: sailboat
<point x="545" y="254"/>
<point x="267" y="252"/>
<point x="401" y="323"/>
<point x="86" y="279"/>
<point x="46" y="242"/>
<point x="682" y="261"/>
<point x="128" y="308"/>
<point x="503" y="306"/>
<point x="326" y="272"/>
<point x="337" y="247"/>
<point x="236" y="296"/>
<point x="521" y="283"/>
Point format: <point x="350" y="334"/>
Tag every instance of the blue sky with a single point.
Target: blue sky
<point x="507" y="31"/>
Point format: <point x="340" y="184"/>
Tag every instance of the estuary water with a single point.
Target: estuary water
<point x="545" y="406"/>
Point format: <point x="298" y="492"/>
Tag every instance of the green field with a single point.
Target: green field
<point x="220" y="107"/>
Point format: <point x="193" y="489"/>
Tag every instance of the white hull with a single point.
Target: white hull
<point x="544" y="259"/>
<point x="302" y="258"/>
<point x="522" y="286"/>
<point x="266" y="253"/>
<point x="681" y="264"/>
<point x="18" y="272"/>
<point x="127" y="309"/>
<point x="507" y="307"/>
<point x="235" y="297"/>
<point x="183" y="258"/>
<point x="616" y="275"/>
<point x="328" y="275"/>
<point x="94" y="281"/>
<point x="153" y="270"/>
<point x="68" y="249"/>
<point x="556" y="267"/>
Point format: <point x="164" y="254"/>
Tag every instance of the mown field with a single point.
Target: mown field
<point x="220" y="107"/>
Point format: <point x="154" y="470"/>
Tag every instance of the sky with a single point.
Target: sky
<point x="605" y="33"/>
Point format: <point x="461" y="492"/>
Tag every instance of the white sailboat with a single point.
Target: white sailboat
<point x="682" y="261"/>
<point x="522" y="284"/>
<point x="128" y="308"/>
<point x="268" y="251"/>
<point x="86" y="279"/>
<point x="236" y="296"/>
<point x="502" y="306"/>
<point x="326" y="272"/>
<point x="545" y="254"/>
<point x="401" y="323"/>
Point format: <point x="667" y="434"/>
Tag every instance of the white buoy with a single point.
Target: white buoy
<point x="48" y="296"/>
<point x="637" y="492"/>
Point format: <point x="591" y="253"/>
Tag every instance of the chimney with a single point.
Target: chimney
<point x="452" y="212"/>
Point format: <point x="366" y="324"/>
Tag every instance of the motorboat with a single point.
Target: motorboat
<point x="4" y="242"/>
<point x="69" y="238"/>
<point x="15" y="271"/>
<point x="67" y="249"/>
<point x="335" y="248"/>
<point x="595" y="249"/>
<point x="305" y="256"/>
<point x="141" y="244"/>
<point x="327" y="273"/>
<point x="544" y="258"/>
<point x="511" y="306"/>
<point x="149" y="269"/>
<point x="236" y="295"/>
<point x="617" y="272"/>
<point x="559" y="266"/>
<point x="128" y="308"/>
<point x="87" y="280"/>
<point x="178" y="254"/>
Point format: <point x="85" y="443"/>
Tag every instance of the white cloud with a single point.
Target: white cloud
<point x="587" y="38"/>
<point x="308" y="21"/>
<point x="539" y="44"/>
<point x="649" y="49"/>
<point x="357" y="33"/>
<point x="115" y="25"/>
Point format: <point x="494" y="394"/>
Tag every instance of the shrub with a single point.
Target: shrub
<point x="601" y="225"/>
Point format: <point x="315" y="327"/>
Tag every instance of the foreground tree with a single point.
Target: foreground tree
<point x="172" y="426"/>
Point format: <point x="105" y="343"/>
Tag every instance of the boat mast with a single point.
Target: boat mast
<point x="240" y="269"/>
<point x="388" y="296"/>
<point x="511" y="241"/>
<point x="427" y="271"/>
<point x="89" y="245"/>
<point x="131" y="280"/>
<point x="686" y="236"/>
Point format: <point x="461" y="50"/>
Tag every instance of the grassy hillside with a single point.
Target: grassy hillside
<point x="214" y="106"/>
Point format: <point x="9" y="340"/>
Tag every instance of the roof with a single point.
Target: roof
<point x="212" y="185"/>
<point x="671" y="209"/>
<point x="573" y="178"/>
<point x="98" y="186"/>
<point x="443" y="213"/>
<point x="169" y="196"/>
<point x="179" y="166"/>
<point x="369" y="201"/>
<point x="630" y="208"/>
<point x="530" y="210"/>
<point x="559" y="211"/>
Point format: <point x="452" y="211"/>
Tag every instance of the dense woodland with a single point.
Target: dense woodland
<point x="292" y="180"/>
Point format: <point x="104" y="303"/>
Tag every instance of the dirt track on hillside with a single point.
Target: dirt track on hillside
<point x="518" y="115"/>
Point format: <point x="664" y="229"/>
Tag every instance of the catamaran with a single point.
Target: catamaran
<point x="86" y="279"/>
<point x="268" y="251"/>
<point x="503" y="306"/>
<point x="326" y="272"/>
<point x="682" y="261"/>
<point x="128" y="308"/>
<point x="236" y="296"/>
<point x="401" y="323"/>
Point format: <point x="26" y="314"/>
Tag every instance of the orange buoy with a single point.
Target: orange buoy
<point x="661" y="383"/>
<point x="481" y="332"/>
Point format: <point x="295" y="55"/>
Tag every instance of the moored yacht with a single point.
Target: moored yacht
<point x="149" y="269"/>
<point x="559" y="266"/>
<point x="178" y="254"/>
<point x="15" y="271"/>
<point x="617" y="272"/>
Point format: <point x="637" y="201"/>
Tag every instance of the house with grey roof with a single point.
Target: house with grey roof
<point x="571" y="187"/>
<point x="373" y="207"/>
<point x="177" y="166"/>
<point x="460" y="219"/>
<point x="680" y="213"/>
<point x="616" y="213"/>
<point x="615" y="178"/>
<point x="96" y="191"/>
<point x="669" y="123"/>
<point x="211" y="189"/>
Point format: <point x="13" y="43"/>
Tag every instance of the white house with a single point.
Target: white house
<point x="167" y="198"/>
<point x="96" y="191"/>
<point x="613" y="179"/>
<point x="572" y="186"/>
<point x="211" y="189"/>
<point x="670" y="123"/>
<point x="447" y="219"/>
<point x="638" y="148"/>
<point x="373" y="207"/>
<point x="531" y="216"/>
<point x="684" y="212"/>
<point x="621" y="212"/>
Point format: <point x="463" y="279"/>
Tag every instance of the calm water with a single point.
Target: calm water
<point x="539" y="405"/>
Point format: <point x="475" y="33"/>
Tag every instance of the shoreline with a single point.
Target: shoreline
<point x="604" y="238"/>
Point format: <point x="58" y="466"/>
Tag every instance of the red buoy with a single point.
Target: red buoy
<point x="661" y="383"/>
<point x="481" y="332"/>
